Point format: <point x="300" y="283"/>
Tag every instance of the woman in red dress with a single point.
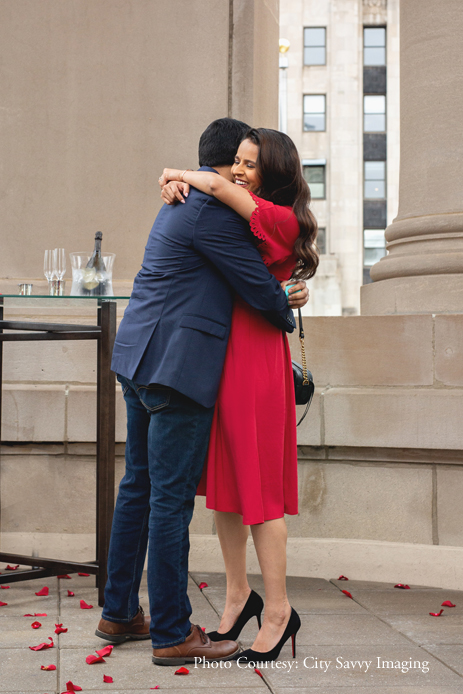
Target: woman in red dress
<point x="250" y="476"/>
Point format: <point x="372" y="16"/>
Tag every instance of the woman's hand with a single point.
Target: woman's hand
<point x="169" y="175"/>
<point x="298" y="294"/>
<point x="174" y="192"/>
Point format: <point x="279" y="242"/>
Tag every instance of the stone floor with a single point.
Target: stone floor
<point x="340" y="646"/>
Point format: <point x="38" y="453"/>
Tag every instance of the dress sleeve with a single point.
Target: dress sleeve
<point x="276" y="229"/>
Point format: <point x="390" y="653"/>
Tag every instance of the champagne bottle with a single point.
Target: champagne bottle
<point x="94" y="274"/>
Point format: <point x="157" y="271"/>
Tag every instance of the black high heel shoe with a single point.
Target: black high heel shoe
<point x="293" y="626"/>
<point x="253" y="608"/>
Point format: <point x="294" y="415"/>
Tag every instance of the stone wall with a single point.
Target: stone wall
<point x="99" y="96"/>
<point x="380" y="461"/>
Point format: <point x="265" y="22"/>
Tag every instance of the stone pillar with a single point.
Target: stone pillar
<point x="423" y="271"/>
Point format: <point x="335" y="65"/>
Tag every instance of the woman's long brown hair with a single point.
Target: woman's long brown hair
<point x="279" y="168"/>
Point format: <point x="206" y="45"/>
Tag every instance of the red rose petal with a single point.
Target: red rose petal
<point x="44" y="591"/>
<point x="2" y="604"/>
<point x="258" y="672"/>
<point x="436" y="614"/>
<point x="83" y="574"/>
<point x="73" y="687"/>
<point x="28" y="615"/>
<point x="12" y="568"/>
<point x="106" y="651"/>
<point x="343" y="578"/>
<point x="39" y="614"/>
<point x="36" y="625"/>
<point x="4" y="587"/>
<point x="70" y="594"/>
<point x="182" y="671"/>
<point x="59" y="629"/>
<point x="43" y="646"/>
<point x="48" y="667"/>
<point x="107" y="678"/>
<point x="203" y="585"/>
<point x="346" y="592"/>
<point x="402" y="585"/>
<point x="447" y="603"/>
<point x="91" y="659"/>
<point x="63" y="576"/>
<point x="84" y="606"/>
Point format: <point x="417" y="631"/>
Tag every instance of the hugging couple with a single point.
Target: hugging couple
<point x="205" y="368"/>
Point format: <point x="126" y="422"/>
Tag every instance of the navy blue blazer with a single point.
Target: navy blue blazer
<point x="176" y="325"/>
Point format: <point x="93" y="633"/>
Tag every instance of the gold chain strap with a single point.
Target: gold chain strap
<point x="305" y="375"/>
<point x="305" y="382"/>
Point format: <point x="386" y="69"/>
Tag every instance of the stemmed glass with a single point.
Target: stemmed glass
<point x="59" y="267"/>
<point x="49" y="270"/>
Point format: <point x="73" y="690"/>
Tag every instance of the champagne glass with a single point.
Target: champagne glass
<point x="60" y="262"/>
<point x="59" y="267"/>
<point x="49" y="270"/>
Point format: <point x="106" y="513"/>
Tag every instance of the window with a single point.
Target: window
<point x="314" y="112"/>
<point x="315" y="46"/>
<point x="374" y="119"/>
<point x="374" y="46"/>
<point x="321" y="240"/>
<point x="374" y="180"/>
<point x="374" y="246"/>
<point x="315" y="177"/>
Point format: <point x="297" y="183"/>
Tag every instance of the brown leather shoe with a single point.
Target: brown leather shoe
<point x="196" y="645"/>
<point x="136" y="630"/>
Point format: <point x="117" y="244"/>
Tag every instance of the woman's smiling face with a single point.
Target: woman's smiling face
<point x="244" y="169"/>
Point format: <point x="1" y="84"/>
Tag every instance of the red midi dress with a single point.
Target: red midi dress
<point x="251" y="465"/>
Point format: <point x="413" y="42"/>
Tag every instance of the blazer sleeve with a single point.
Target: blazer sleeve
<point x="223" y="237"/>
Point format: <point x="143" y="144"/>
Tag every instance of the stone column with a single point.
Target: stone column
<point x="423" y="271"/>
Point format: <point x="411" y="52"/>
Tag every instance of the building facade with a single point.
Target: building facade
<point x="339" y="96"/>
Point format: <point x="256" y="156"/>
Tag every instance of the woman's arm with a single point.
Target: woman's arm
<point x="213" y="184"/>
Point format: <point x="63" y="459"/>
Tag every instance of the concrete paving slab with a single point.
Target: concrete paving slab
<point x="16" y="632"/>
<point x="70" y="605"/>
<point x="81" y="633"/>
<point x="304" y="602"/>
<point x="218" y="580"/>
<point x="427" y="630"/>
<point x="134" y="670"/>
<point x="342" y="673"/>
<point x="437" y="689"/>
<point x="350" y="630"/>
<point x="408" y="602"/>
<point x="373" y="585"/>
<point x="450" y="655"/>
<point x="20" y="670"/>
<point x="324" y="602"/>
<point x="204" y="688"/>
<point x="21" y="602"/>
<point x="32" y="584"/>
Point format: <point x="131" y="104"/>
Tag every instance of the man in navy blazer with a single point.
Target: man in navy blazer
<point x="169" y="354"/>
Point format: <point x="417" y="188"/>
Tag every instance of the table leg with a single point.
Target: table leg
<point x="106" y="434"/>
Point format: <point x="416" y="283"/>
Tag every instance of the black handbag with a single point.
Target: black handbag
<point x="303" y="381"/>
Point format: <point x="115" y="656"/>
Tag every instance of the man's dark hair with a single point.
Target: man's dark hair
<point x="219" y="142"/>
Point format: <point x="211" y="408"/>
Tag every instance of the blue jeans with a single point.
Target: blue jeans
<point x="167" y="439"/>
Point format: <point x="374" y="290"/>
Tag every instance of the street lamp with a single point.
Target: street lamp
<point x="284" y="45"/>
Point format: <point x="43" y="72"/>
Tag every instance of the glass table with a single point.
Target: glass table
<point x="103" y="331"/>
